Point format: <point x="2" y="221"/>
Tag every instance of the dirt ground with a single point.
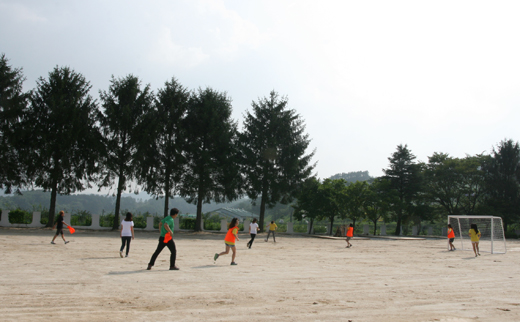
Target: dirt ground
<point x="297" y="279"/>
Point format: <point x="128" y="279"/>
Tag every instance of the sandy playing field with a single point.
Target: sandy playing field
<point x="297" y="279"/>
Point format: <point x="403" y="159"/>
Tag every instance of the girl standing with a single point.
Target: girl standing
<point x="229" y="241"/>
<point x="451" y="237"/>
<point x="127" y="233"/>
<point x="253" y="230"/>
<point x="475" y="235"/>
<point x="350" y="234"/>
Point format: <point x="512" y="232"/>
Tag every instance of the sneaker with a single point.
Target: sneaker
<point x="126" y="255"/>
<point x="53" y="242"/>
<point x="121" y="254"/>
<point x="67" y="242"/>
<point x="174" y="268"/>
<point x="454" y="248"/>
<point x="478" y="254"/>
<point x="215" y="257"/>
<point x="233" y="263"/>
<point x="265" y="240"/>
<point x="149" y="267"/>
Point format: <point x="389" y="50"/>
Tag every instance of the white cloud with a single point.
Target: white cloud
<point x="22" y="13"/>
<point x="165" y="51"/>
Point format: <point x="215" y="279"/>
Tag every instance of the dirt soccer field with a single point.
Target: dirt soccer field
<point x="297" y="279"/>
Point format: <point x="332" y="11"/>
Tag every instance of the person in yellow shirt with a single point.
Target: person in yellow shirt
<point x="272" y="227"/>
<point x="475" y="235"/>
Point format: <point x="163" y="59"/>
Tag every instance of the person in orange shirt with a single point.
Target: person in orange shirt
<point x="229" y="241"/>
<point x="350" y="234"/>
<point x="451" y="237"/>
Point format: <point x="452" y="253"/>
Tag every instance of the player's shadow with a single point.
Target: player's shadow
<point x="131" y="272"/>
<point x="205" y="266"/>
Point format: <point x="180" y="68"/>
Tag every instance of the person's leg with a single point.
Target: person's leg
<point x="159" y="249"/>
<point x="474" y="249"/>
<point x="252" y="240"/>
<point x="234" y="249"/>
<point x="268" y="234"/>
<point x="128" y="240"/>
<point x="274" y="239"/>
<point x="478" y="250"/>
<point x="123" y="241"/>
<point x="225" y="252"/>
<point x="173" y="252"/>
<point x="63" y="237"/>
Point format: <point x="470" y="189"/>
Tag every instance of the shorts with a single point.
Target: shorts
<point x="451" y="240"/>
<point x="230" y="245"/>
<point x="59" y="231"/>
<point x="348" y="238"/>
<point x="474" y="242"/>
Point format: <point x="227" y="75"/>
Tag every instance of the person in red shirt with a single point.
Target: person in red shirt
<point x="451" y="237"/>
<point x="229" y="240"/>
<point x="350" y="234"/>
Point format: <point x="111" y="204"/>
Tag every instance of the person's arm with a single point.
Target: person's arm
<point x="249" y="229"/>
<point x="132" y="232"/>
<point x="121" y="231"/>
<point x="236" y="236"/>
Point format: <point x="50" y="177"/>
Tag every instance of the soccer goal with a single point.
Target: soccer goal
<point x="493" y="239"/>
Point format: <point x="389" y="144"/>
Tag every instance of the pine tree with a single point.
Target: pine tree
<point x="64" y="136"/>
<point x="212" y="170"/>
<point x="273" y="146"/>
<point x="123" y="125"/>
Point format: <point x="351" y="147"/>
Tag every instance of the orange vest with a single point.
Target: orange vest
<point x="451" y="234"/>
<point x="350" y="232"/>
<point x="229" y="236"/>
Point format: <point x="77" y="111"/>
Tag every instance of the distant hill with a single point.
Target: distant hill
<point x="353" y="176"/>
<point x="101" y="204"/>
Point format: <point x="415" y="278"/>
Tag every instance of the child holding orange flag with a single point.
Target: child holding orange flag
<point x="59" y="227"/>
<point x="350" y="234"/>
<point x="229" y="240"/>
<point x="451" y="237"/>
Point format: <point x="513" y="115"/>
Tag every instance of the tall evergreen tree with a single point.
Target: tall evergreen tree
<point x="13" y="104"/>
<point x="212" y="170"/>
<point x="404" y="176"/>
<point x="160" y="154"/>
<point x="64" y="136"/>
<point x="503" y="181"/>
<point x="123" y="124"/>
<point x="273" y="146"/>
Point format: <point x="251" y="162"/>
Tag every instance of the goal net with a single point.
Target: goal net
<point x="493" y="239"/>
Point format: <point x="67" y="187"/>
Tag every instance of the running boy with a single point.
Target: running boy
<point x="229" y="240"/>
<point x="166" y="227"/>
<point x="59" y="227"/>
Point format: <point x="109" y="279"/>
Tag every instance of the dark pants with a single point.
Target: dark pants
<point x="125" y="240"/>
<point x="171" y="247"/>
<point x="250" y="243"/>
<point x="268" y="234"/>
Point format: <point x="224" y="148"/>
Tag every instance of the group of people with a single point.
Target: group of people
<point x="474" y="235"/>
<point x="166" y="227"/>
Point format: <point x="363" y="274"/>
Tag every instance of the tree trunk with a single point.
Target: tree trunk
<point x="167" y="193"/>
<point x="120" y="184"/>
<point x="310" y="227"/>
<point x="198" y="221"/>
<point x="398" y="228"/>
<point x="375" y="227"/>
<point x="262" y="213"/>
<point x="52" y="207"/>
<point x="331" y="224"/>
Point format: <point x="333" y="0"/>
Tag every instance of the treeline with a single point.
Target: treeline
<point x="172" y="142"/>
<point x="410" y="191"/>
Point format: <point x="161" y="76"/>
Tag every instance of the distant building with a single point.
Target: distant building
<point x="230" y="213"/>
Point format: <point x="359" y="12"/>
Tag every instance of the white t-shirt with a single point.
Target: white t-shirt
<point x="254" y="228"/>
<point x="126" y="230"/>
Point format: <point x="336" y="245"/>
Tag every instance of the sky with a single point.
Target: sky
<point x="365" y="76"/>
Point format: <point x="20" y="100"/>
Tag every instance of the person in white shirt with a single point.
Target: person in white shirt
<point x="253" y="229"/>
<point x="127" y="233"/>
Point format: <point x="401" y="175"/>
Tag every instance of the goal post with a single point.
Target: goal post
<point x="493" y="239"/>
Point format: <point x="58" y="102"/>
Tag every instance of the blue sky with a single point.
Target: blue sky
<point x="366" y="76"/>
